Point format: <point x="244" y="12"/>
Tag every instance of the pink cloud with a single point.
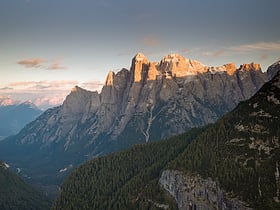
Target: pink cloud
<point x="264" y="57"/>
<point x="47" y="85"/>
<point x="40" y="63"/>
<point x="151" y="40"/>
<point x="32" y="62"/>
<point x="46" y="101"/>
<point x="271" y="46"/>
<point x="219" y="53"/>
<point x="185" y="51"/>
<point x="215" y="54"/>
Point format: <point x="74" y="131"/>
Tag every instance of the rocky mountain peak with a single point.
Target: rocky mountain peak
<point x="250" y="67"/>
<point x="230" y="68"/>
<point x="174" y="65"/>
<point x="140" y="57"/>
<point x="75" y="102"/>
<point x="110" y="79"/>
<point x="139" y="67"/>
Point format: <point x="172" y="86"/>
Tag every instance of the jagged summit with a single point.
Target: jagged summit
<point x="175" y="66"/>
<point x="139" y="57"/>
<point x="110" y="79"/>
<point x="250" y="66"/>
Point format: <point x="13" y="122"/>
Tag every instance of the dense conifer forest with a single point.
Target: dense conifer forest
<point x="124" y="180"/>
<point x="16" y="194"/>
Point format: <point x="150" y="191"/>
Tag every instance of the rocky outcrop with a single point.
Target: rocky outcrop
<point x="194" y="192"/>
<point x="273" y="69"/>
<point x="174" y="65"/>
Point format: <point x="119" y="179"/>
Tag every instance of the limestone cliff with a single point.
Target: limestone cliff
<point x="194" y="192"/>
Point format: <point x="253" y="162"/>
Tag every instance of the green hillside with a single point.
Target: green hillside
<point x="124" y="180"/>
<point x="16" y="194"/>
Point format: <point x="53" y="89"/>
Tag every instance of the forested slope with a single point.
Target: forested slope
<point x="124" y="180"/>
<point x="16" y="194"/>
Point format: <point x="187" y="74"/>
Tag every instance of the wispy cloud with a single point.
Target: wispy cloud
<point x="214" y="54"/>
<point x="151" y="40"/>
<point x="43" y="85"/>
<point x="264" y="57"/>
<point x="32" y="62"/>
<point x="56" y="65"/>
<point x="40" y="63"/>
<point x="185" y="51"/>
<point x="268" y="46"/>
<point x="92" y="85"/>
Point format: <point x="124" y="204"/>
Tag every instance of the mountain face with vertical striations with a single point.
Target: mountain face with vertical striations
<point x="151" y="101"/>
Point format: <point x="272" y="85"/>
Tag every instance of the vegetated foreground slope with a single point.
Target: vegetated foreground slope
<point x="124" y="180"/>
<point x="241" y="152"/>
<point x="16" y="194"/>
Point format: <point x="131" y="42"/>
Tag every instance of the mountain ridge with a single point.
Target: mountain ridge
<point x="151" y="101"/>
<point x="14" y="116"/>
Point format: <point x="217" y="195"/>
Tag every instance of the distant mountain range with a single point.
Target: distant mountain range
<point x="231" y="164"/>
<point x="149" y="102"/>
<point x="14" y="116"/>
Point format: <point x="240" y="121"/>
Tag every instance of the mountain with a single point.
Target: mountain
<point x="14" y="116"/>
<point x="231" y="164"/>
<point x="16" y="194"/>
<point x="151" y="101"/>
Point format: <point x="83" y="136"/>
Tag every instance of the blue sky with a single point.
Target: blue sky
<point x="49" y="46"/>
